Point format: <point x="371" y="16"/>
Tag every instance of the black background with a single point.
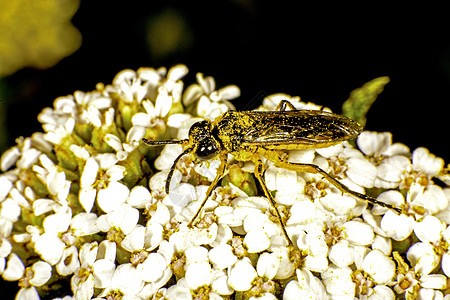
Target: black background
<point x="319" y="53"/>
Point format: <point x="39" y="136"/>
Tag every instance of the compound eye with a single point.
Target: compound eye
<point x="206" y="149"/>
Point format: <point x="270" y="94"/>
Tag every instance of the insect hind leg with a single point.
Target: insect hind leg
<point x="314" y="169"/>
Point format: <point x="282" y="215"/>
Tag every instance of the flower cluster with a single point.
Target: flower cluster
<point x="84" y="205"/>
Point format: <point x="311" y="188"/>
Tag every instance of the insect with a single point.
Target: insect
<point x="250" y="135"/>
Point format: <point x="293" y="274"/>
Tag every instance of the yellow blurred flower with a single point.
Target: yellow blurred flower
<point x="36" y="33"/>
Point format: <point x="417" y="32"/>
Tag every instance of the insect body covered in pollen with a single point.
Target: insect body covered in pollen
<point x="251" y="135"/>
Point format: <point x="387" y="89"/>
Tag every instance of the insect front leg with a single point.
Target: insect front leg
<point x="311" y="168"/>
<point x="259" y="173"/>
<point x="220" y="173"/>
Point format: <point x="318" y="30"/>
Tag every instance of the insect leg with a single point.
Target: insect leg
<point x="220" y="173"/>
<point x="311" y="168"/>
<point x="259" y="173"/>
<point x="282" y="106"/>
<point x="174" y="165"/>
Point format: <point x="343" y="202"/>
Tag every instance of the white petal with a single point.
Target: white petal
<point x="42" y="206"/>
<point x="14" y="268"/>
<point x="286" y="268"/>
<point x="87" y="197"/>
<point x="153" y="236"/>
<point x="220" y="285"/>
<point x="373" y="142"/>
<point x="341" y="254"/>
<point x="153" y="267"/>
<point x="69" y="262"/>
<point x="103" y="272"/>
<point x="268" y="265"/>
<point x="5" y="248"/>
<point x="58" y="222"/>
<point x="142" y="119"/>
<point x="433" y="281"/>
<point x="290" y="187"/>
<point x="382" y="292"/>
<point x="113" y="141"/>
<point x="198" y="274"/>
<point x="361" y="172"/>
<point x="10" y="210"/>
<point x="9" y="158"/>
<point x="177" y="72"/>
<point x="163" y="104"/>
<point x="445" y="264"/>
<point x="383" y="244"/>
<point x="125" y="218"/>
<point x="161" y="216"/>
<point x="392" y="168"/>
<point x="5" y="187"/>
<point x="338" y="281"/>
<point x="134" y="241"/>
<point x="84" y="224"/>
<point x="106" y="160"/>
<point x="89" y="173"/>
<point x="433" y="199"/>
<point x="28" y="294"/>
<point x="359" y="233"/>
<point x="229" y="92"/>
<point x="222" y="256"/>
<point x="427" y="162"/>
<point x="113" y="196"/>
<point x="196" y="254"/>
<point x="88" y="253"/>
<point x="126" y="278"/>
<point x="427" y="263"/>
<point x="380" y="267"/>
<point x="429" y="229"/>
<point x="256" y="241"/>
<point x="116" y="172"/>
<point x="241" y="276"/>
<point x="138" y="197"/>
<point x="134" y="135"/>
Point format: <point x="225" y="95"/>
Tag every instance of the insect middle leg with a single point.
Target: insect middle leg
<point x="311" y="168"/>
<point x="219" y="175"/>
<point x="283" y="104"/>
<point x="259" y="173"/>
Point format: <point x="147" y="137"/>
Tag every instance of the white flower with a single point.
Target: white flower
<point x="95" y="270"/>
<point x="49" y="245"/>
<point x="124" y="218"/>
<point x="35" y="276"/>
<point x="379" y="145"/>
<point x="417" y="282"/>
<point x="211" y="103"/>
<point x="100" y="181"/>
<point x="400" y="171"/>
